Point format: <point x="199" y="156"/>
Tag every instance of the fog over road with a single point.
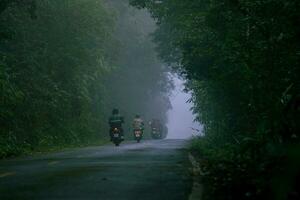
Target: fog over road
<point x="150" y="170"/>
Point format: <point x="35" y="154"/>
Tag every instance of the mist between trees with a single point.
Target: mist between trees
<point x="64" y="64"/>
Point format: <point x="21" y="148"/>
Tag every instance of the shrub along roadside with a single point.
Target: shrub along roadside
<point x="231" y="173"/>
<point x="10" y="147"/>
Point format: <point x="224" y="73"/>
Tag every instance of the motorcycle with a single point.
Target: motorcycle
<point x="138" y="134"/>
<point x="155" y="133"/>
<point x="116" y="136"/>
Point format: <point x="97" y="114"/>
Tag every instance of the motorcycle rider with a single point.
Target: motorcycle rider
<point x="116" y="121"/>
<point x="138" y="123"/>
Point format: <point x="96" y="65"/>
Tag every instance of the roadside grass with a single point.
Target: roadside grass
<point x="26" y="150"/>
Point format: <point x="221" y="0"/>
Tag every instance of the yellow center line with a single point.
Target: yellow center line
<point x="53" y="162"/>
<point x="7" y="174"/>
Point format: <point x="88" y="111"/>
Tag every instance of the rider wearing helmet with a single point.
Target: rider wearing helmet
<point x="116" y="121"/>
<point x="138" y="123"/>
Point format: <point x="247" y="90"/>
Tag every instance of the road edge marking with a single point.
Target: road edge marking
<point x="5" y="174"/>
<point x="53" y="163"/>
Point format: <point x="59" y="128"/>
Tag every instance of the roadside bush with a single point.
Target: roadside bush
<point x="268" y="172"/>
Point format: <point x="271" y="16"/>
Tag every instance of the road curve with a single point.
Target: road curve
<point x="154" y="170"/>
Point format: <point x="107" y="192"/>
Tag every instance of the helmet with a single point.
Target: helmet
<point x="115" y="111"/>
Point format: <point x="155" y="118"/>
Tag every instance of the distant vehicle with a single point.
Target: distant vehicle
<point x="156" y="129"/>
<point x="138" y="134"/>
<point x="156" y="133"/>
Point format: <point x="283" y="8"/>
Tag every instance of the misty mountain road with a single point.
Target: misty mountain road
<point x="149" y="170"/>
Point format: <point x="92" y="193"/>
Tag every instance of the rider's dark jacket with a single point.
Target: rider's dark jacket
<point x="116" y="121"/>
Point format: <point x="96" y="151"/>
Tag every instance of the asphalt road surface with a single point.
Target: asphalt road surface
<point x="150" y="170"/>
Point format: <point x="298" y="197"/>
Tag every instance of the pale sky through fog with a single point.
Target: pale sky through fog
<point x="180" y="117"/>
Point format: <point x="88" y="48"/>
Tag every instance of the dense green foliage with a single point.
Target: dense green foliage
<point x="241" y="60"/>
<point x="61" y="65"/>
